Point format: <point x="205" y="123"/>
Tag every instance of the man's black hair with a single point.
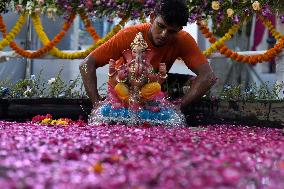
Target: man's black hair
<point x="174" y="12"/>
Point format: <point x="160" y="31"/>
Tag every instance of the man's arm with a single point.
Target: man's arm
<point x="202" y="83"/>
<point x="89" y="77"/>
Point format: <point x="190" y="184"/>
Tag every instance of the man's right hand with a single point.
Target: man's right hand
<point x="89" y="77"/>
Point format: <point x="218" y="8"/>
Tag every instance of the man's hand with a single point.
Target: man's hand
<point x="163" y="69"/>
<point x="89" y="77"/>
<point x="97" y="104"/>
<point x="162" y="72"/>
<point x="201" y="84"/>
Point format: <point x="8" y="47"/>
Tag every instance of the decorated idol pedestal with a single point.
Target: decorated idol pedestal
<point x="135" y="95"/>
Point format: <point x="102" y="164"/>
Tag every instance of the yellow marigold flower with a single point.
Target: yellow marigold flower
<point x="61" y="122"/>
<point x="256" y="6"/>
<point x="228" y="36"/>
<point x="215" y="5"/>
<point x="230" y="12"/>
<point x="53" y="122"/>
<point x="46" y="121"/>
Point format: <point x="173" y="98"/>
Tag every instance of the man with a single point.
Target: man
<point x="168" y="42"/>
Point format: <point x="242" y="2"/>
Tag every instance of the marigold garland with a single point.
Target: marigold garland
<point x="82" y="54"/>
<point x="219" y="42"/>
<point x="50" y="45"/>
<point x="251" y="59"/>
<point x="46" y="48"/>
<point x="268" y="24"/>
<point x="40" y="52"/>
<point x="8" y="38"/>
<point x="91" y="30"/>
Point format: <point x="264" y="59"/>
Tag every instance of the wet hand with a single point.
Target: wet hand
<point x="162" y="69"/>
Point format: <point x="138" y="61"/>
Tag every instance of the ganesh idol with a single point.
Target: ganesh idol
<point x="134" y="91"/>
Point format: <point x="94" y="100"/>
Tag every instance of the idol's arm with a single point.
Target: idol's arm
<point x="89" y="77"/>
<point x="201" y="84"/>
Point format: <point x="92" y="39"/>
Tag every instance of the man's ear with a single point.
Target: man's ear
<point x="152" y="17"/>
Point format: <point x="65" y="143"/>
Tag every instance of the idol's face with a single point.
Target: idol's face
<point x="161" y="32"/>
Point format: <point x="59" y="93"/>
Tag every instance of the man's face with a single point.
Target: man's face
<point x="161" y="32"/>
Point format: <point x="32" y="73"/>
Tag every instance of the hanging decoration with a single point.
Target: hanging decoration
<point x="88" y="25"/>
<point x="46" y="48"/>
<point x="81" y="54"/>
<point x="219" y="42"/>
<point x="220" y="12"/>
<point x="251" y="59"/>
<point x="15" y="30"/>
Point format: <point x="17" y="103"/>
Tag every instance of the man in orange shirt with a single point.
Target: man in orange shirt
<point x="166" y="40"/>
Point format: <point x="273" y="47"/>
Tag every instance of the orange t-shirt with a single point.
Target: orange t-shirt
<point x="182" y="45"/>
